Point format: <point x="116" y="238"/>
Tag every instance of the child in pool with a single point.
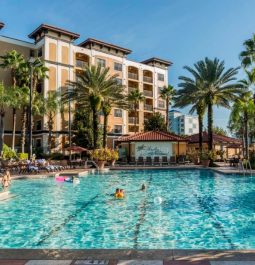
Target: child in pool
<point x="6" y="180"/>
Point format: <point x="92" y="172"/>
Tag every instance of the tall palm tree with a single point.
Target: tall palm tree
<point x="167" y="94"/>
<point x="5" y="99"/>
<point x="13" y="60"/>
<point x="135" y="97"/>
<point x="50" y="108"/>
<point x="248" y="55"/>
<point x="242" y="112"/>
<point x="116" y="98"/>
<point x="92" y="87"/>
<point x="218" y="87"/>
<point x="186" y="96"/>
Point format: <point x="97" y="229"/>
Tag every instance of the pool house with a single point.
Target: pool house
<point x="151" y="144"/>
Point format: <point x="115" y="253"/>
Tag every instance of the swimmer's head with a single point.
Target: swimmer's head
<point x="117" y="190"/>
<point x="143" y="187"/>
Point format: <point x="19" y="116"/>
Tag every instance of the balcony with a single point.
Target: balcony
<point x="148" y="93"/>
<point x="148" y="107"/>
<point x="147" y="79"/>
<point x="133" y="76"/>
<point x="161" y="104"/>
<point x="131" y="120"/>
<point x="81" y="64"/>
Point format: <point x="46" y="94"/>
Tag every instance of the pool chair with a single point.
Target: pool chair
<point x="140" y="161"/>
<point x="182" y="159"/>
<point x="132" y="161"/>
<point x="156" y="161"/>
<point x="164" y="161"/>
<point x="148" y="161"/>
<point x="123" y="161"/>
<point x="172" y="160"/>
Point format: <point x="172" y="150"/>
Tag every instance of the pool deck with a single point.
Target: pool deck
<point x="126" y="257"/>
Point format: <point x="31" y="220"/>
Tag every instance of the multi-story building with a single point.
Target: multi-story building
<point x="183" y="124"/>
<point x="64" y="58"/>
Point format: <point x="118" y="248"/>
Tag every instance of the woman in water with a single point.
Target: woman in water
<point x="6" y="180"/>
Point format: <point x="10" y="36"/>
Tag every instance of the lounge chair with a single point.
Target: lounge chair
<point x="140" y="161"/>
<point x="123" y="161"/>
<point x="182" y="159"/>
<point x="132" y="161"/>
<point x="156" y="161"/>
<point x="164" y="161"/>
<point x="172" y="160"/>
<point x="148" y="161"/>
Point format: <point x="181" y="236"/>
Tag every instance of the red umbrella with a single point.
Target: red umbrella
<point x="75" y="148"/>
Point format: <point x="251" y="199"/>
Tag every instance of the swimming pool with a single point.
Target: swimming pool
<point x="199" y="209"/>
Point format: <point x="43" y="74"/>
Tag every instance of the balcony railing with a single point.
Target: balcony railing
<point x="133" y="76"/>
<point x="148" y="107"/>
<point x="81" y="64"/>
<point x="148" y="93"/>
<point x="161" y="104"/>
<point x="132" y="120"/>
<point x="147" y="79"/>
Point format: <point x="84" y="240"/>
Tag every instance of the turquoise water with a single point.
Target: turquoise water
<point x="199" y="209"/>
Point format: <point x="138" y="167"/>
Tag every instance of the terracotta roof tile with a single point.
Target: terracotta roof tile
<point x="152" y="136"/>
<point x="216" y="139"/>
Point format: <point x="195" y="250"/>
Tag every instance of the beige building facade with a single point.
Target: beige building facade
<point x="58" y="48"/>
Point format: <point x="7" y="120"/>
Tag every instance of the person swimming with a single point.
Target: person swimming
<point x="6" y="180"/>
<point x="119" y="193"/>
<point x="143" y="188"/>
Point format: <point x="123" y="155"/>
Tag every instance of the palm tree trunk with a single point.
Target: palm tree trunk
<point x="14" y="117"/>
<point x="95" y="128"/>
<point x="50" y="126"/>
<point x="167" y="112"/>
<point x="210" y="126"/>
<point x="1" y="132"/>
<point x="246" y="135"/>
<point x="23" y="130"/>
<point x="136" y="119"/>
<point x="200" y="128"/>
<point x="105" y="130"/>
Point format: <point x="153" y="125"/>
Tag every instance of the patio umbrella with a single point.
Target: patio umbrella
<point x="76" y="149"/>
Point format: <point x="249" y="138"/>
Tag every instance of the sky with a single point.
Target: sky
<point x="182" y="31"/>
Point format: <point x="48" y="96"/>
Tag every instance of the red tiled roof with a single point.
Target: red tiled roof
<point x="152" y="136"/>
<point x="216" y="139"/>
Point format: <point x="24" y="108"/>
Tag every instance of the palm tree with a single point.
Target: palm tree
<point x="13" y="60"/>
<point x="167" y="94"/>
<point x="4" y="103"/>
<point x="217" y="87"/>
<point x="248" y="55"/>
<point x="135" y="97"/>
<point x="93" y="86"/>
<point x="51" y="106"/>
<point x="242" y="112"/>
<point x="115" y="98"/>
<point x="186" y="96"/>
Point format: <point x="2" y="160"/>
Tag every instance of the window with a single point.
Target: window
<point x="118" y="129"/>
<point x="190" y="120"/>
<point x="190" y="131"/>
<point x="160" y="89"/>
<point x="39" y="52"/>
<point x="161" y="77"/>
<point x="32" y="53"/>
<point x="38" y="125"/>
<point x="101" y="62"/>
<point x="161" y="104"/>
<point x="194" y="126"/>
<point x="117" y="66"/>
<point x="118" y="113"/>
<point x="38" y="142"/>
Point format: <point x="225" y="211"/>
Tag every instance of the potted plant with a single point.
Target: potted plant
<point x="101" y="156"/>
<point x="114" y="157"/>
<point x="206" y="157"/>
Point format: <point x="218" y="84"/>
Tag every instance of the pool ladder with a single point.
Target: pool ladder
<point x="245" y="167"/>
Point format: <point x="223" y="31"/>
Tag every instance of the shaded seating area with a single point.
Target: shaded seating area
<point x="153" y="148"/>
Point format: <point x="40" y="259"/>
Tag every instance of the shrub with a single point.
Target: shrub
<point x="104" y="154"/>
<point x="23" y="156"/>
<point x="8" y="153"/>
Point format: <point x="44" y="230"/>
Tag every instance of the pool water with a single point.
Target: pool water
<point x="199" y="209"/>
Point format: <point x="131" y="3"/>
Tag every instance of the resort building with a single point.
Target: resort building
<point x="182" y="124"/>
<point x="64" y="55"/>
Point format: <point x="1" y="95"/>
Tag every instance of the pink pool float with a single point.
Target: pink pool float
<point x="60" y="179"/>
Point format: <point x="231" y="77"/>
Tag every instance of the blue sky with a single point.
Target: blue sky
<point x="182" y="31"/>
